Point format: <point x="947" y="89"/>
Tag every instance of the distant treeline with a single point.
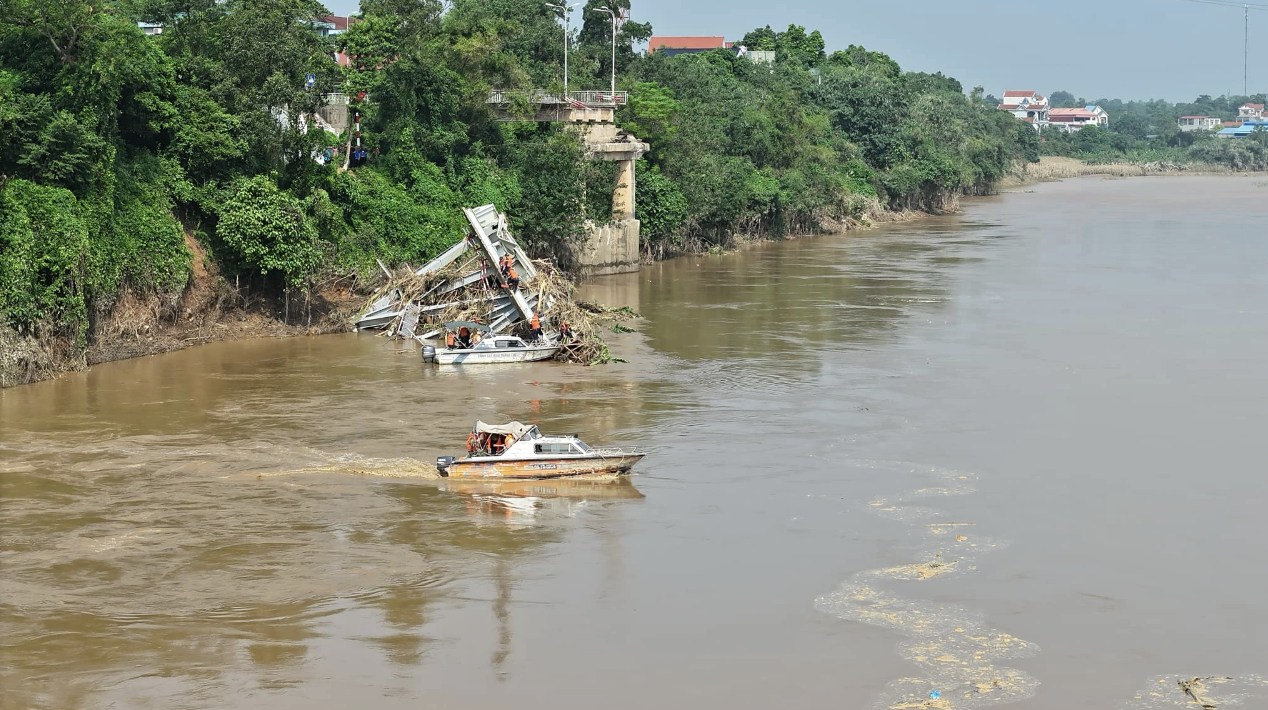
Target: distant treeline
<point x="1146" y="131"/>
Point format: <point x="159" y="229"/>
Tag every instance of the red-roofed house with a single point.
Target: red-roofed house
<point x="1029" y="106"/>
<point x="1198" y="123"/>
<point x="673" y="46"/>
<point x="1073" y="119"/>
<point x="1251" y="112"/>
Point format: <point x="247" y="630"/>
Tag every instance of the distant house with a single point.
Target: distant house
<point x="1029" y="106"/>
<point x="1198" y="123"/>
<point x="1244" y="130"/>
<point x="1251" y="112"/>
<point x="673" y="46"/>
<point x="150" y="28"/>
<point x="759" y="56"/>
<point x="1073" y="119"/>
<point x="330" y="25"/>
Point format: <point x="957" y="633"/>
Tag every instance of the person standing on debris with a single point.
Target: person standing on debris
<point x="512" y="279"/>
<point x="505" y="263"/>
<point x="536" y="325"/>
<point x="565" y="333"/>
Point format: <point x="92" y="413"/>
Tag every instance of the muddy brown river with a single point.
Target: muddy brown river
<point x="1009" y="457"/>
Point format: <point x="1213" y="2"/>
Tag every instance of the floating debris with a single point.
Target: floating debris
<point x="466" y="284"/>
<point x="958" y="653"/>
<point x="1208" y="692"/>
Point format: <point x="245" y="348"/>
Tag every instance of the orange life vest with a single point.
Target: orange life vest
<point x="449" y="339"/>
<point x="510" y="273"/>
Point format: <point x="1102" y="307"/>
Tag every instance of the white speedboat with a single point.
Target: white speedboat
<point x="486" y="349"/>
<point x="516" y="450"/>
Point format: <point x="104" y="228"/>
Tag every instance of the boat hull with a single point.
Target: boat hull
<point x="446" y="356"/>
<point x="620" y="488"/>
<point x="541" y="468"/>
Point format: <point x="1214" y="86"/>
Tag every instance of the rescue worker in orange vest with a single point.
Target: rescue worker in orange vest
<point x="449" y="340"/>
<point x="464" y="336"/>
<point x="471" y="443"/>
<point x="512" y="278"/>
<point x="565" y="333"/>
<point x="504" y="263"/>
<point x="536" y="325"/>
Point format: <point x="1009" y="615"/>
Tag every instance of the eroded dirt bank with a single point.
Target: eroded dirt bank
<point x="209" y="309"/>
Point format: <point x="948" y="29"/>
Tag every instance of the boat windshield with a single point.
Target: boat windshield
<point x="533" y="433"/>
<point x="581" y="445"/>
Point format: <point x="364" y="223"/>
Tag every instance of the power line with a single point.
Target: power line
<point x="1231" y="3"/>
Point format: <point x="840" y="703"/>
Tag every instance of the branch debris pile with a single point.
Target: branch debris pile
<point x="466" y="284"/>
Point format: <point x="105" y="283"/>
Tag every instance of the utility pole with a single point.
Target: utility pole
<point x="565" y="10"/>
<point x="614" y="27"/>
<point x="1246" y="8"/>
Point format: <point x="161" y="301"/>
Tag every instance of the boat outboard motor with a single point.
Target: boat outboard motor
<point x="442" y="465"/>
<point x="429" y="353"/>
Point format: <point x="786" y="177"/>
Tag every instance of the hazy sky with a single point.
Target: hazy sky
<point x="1130" y="49"/>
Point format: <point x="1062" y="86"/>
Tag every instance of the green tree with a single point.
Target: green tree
<point x="650" y="114"/>
<point x="267" y="231"/>
<point x="1063" y="99"/>
<point x="661" y="207"/>
<point x="762" y="39"/>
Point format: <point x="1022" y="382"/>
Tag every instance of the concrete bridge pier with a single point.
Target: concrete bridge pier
<point x="613" y="248"/>
<point x="623" y="195"/>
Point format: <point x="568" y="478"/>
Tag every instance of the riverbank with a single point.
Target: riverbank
<point x="211" y="310"/>
<point x="208" y="310"/>
<point x="1052" y="167"/>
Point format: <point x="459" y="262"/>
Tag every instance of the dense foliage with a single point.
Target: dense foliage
<point x="812" y="138"/>
<point x="116" y="148"/>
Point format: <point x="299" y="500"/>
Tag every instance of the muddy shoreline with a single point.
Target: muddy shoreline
<point x="211" y="310"/>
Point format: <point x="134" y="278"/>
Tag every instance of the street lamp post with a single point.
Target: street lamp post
<point x="564" y="10"/>
<point x="614" y="19"/>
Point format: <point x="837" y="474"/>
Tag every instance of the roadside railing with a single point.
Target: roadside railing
<point x="541" y="97"/>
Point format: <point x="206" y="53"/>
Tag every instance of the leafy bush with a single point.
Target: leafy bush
<point x="659" y="206"/>
<point x="43" y="242"/>
<point x="266" y="230"/>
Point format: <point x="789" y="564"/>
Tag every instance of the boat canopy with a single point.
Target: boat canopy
<point x="473" y="326"/>
<point x="515" y="429"/>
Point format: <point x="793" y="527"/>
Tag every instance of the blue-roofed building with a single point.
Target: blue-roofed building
<point x="1243" y="130"/>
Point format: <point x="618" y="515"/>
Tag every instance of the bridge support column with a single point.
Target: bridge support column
<point x="623" y="195"/>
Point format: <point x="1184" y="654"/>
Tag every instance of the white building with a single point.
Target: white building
<point x="1251" y="112"/>
<point x="1198" y="123"/>
<point x="1073" y="119"/>
<point x="1029" y="106"/>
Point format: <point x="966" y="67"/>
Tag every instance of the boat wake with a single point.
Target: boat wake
<point x="955" y="648"/>
<point x="353" y="464"/>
